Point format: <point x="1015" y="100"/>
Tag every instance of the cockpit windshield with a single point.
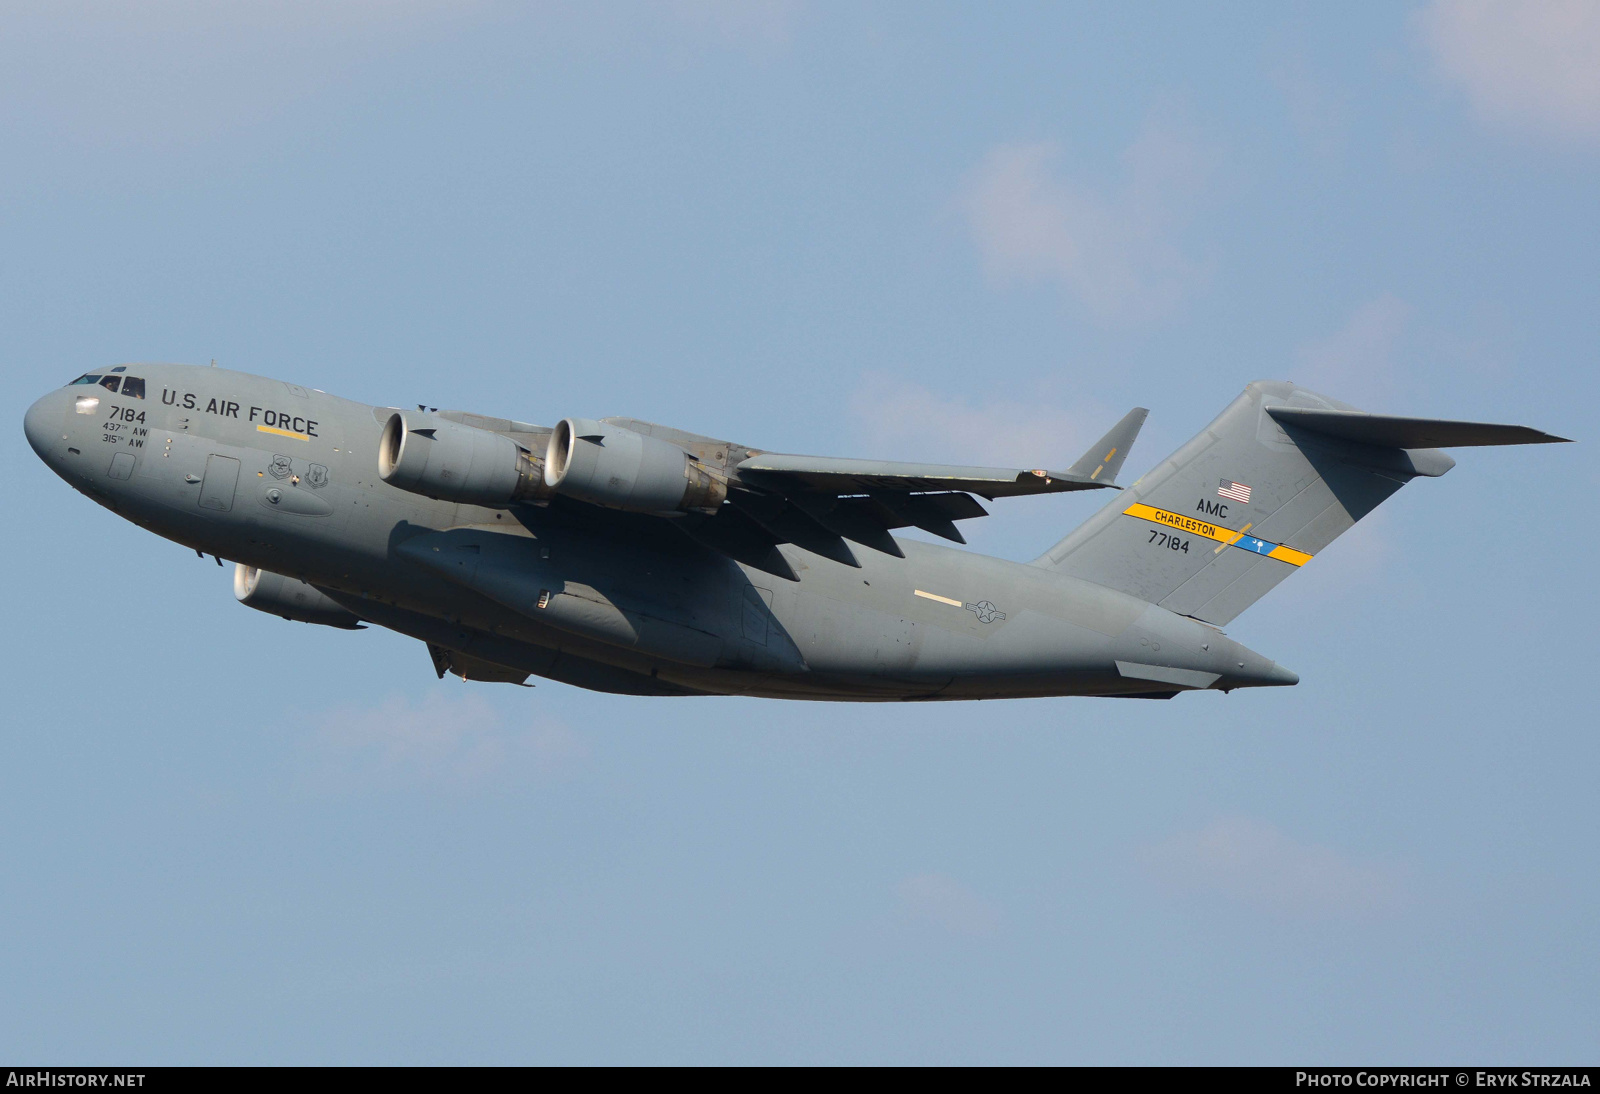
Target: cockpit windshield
<point x="132" y="386"/>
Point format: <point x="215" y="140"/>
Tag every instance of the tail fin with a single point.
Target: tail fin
<point x="1279" y="475"/>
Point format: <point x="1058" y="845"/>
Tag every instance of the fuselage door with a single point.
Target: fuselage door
<point x="222" y="478"/>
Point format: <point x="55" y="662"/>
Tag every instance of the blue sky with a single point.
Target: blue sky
<point x="930" y="231"/>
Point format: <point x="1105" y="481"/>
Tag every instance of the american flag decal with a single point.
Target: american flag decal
<point x="1237" y="491"/>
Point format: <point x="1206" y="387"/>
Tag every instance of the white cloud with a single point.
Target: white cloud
<point x="1358" y="362"/>
<point x="1531" y="64"/>
<point x="944" y="902"/>
<point x="1254" y="863"/>
<point x="1113" y="251"/>
<point x="454" y="739"/>
<point x="902" y="420"/>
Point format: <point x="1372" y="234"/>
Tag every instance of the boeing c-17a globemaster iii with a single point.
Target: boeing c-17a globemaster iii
<point x="628" y="557"/>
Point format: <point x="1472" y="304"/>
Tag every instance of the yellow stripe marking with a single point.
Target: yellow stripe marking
<point x="936" y="596"/>
<point x="1224" y="536"/>
<point x="283" y="432"/>
<point x="1289" y="555"/>
<point x="1183" y="523"/>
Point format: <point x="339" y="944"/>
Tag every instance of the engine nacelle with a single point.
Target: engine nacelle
<point x="275" y="594"/>
<point x="608" y="465"/>
<point x="429" y="455"/>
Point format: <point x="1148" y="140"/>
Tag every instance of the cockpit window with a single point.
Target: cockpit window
<point x="110" y="382"/>
<point x="133" y="386"/>
<point x="86" y="378"/>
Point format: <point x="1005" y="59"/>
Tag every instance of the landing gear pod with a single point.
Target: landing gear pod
<point x="275" y="594"/>
<point x="615" y="467"/>
<point x="429" y="455"/>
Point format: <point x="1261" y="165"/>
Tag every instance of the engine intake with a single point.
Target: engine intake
<point x="275" y="594"/>
<point x="441" y="459"/>
<point x="615" y="467"/>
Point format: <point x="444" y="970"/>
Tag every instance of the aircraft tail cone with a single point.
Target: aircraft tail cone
<point x="1251" y="670"/>
<point x="1280" y="676"/>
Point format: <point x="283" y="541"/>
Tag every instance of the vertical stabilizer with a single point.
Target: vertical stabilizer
<point x="1255" y="496"/>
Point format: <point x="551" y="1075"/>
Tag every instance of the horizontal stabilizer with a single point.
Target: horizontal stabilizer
<point x="1101" y="463"/>
<point x="1387" y="431"/>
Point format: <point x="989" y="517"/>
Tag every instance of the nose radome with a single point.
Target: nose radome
<point x="42" y="424"/>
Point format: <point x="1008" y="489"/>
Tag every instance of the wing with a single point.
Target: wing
<point x="819" y="503"/>
<point x="830" y="475"/>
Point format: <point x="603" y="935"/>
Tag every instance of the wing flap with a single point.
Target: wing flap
<point x="788" y="523"/>
<point x="867" y="524"/>
<point x="934" y="513"/>
<point x="734" y="534"/>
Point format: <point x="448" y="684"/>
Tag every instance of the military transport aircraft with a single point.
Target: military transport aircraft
<point x="628" y="557"/>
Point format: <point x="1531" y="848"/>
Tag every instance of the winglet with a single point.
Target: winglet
<point x="1101" y="463"/>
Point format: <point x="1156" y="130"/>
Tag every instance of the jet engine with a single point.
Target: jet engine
<point x="278" y="595"/>
<point x="429" y="455"/>
<point x="607" y="465"/>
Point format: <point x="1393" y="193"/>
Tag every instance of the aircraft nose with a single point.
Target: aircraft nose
<point x="42" y="424"/>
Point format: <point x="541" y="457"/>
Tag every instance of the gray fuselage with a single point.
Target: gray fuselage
<point x="285" y="479"/>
